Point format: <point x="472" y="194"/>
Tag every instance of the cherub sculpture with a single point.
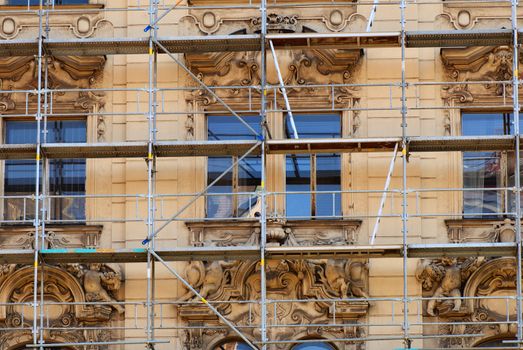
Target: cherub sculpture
<point x="98" y="281"/>
<point x="449" y="275"/>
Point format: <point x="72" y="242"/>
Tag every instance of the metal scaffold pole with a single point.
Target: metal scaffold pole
<point x="151" y="171"/>
<point x="263" y="219"/>
<point x="404" y="223"/>
<point x="37" y="329"/>
<point x="517" y="165"/>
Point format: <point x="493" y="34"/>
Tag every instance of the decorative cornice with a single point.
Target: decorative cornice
<point x="485" y="65"/>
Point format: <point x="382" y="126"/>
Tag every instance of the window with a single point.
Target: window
<point x="244" y="177"/>
<point x="487" y="169"/>
<point x="66" y="177"/>
<point x="320" y="172"/>
<point x="56" y="2"/>
<point x="313" y="346"/>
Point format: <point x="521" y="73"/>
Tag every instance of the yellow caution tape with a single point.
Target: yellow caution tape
<point x="204" y="301"/>
<point x="38" y="157"/>
<point x="150" y="51"/>
<point x="150" y="156"/>
<point x="262" y="184"/>
<point x="404" y="151"/>
<point x="262" y="262"/>
<point x="36" y="264"/>
<point x="516" y="73"/>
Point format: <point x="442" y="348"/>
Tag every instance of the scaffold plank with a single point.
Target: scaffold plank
<point x="138" y="255"/>
<point x="415" y="144"/>
<point x="128" y="46"/>
<point x="128" y="149"/>
<point x="237" y="147"/>
<point x="251" y="42"/>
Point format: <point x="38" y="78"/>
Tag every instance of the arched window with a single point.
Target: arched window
<point x="232" y="345"/>
<point x="313" y="346"/>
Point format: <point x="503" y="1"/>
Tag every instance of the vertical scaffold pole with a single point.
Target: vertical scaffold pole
<point x="44" y="176"/>
<point x="151" y="168"/>
<point x="517" y="167"/>
<point x="404" y="176"/>
<point x="36" y="223"/>
<point x="263" y="219"/>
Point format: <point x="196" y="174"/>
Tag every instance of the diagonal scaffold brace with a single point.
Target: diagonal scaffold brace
<point x="203" y="300"/>
<point x="384" y="195"/>
<point x="198" y="195"/>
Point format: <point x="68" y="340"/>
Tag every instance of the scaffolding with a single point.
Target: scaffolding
<point x="154" y="44"/>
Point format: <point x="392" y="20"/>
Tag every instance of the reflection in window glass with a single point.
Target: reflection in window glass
<point x="326" y="169"/>
<point x="298" y="177"/>
<point x="244" y="177"/>
<point x="487" y="169"/>
<point x="313" y="346"/>
<point x="66" y="176"/>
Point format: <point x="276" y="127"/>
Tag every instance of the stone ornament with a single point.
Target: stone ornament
<point x="315" y="279"/>
<point x="75" y="284"/>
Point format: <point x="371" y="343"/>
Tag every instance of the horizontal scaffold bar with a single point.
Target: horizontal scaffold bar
<point x="238" y="147"/>
<point x="87" y="255"/>
<point x="251" y="42"/>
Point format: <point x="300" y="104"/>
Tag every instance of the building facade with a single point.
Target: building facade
<point x="355" y="187"/>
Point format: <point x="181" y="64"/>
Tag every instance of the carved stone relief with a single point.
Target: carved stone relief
<point x="479" y="16"/>
<point x="56" y="237"/>
<point x="76" y="284"/>
<point x="315" y="279"/>
<point x="455" y="285"/>
<point x="343" y="19"/>
<point x="473" y="231"/>
<point x="73" y="24"/>
<point x="477" y="64"/>
<point x="68" y="72"/>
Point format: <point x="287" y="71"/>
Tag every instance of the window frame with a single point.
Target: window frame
<point x="46" y="183"/>
<point x="235" y="172"/>
<point x="313" y="172"/>
<point x="504" y="204"/>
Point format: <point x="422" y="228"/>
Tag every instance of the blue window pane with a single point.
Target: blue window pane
<point x="484" y="169"/>
<point x="66" y="176"/>
<point x="313" y="346"/>
<point x="298" y="178"/>
<point x="225" y="127"/>
<point x="328" y="168"/>
<point x="328" y="178"/>
<point x="313" y="126"/>
<point x="481" y="170"/>
<point x="249" y="177"/>
<point x="480" y="124"/>
<point x="219" y="206"/>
